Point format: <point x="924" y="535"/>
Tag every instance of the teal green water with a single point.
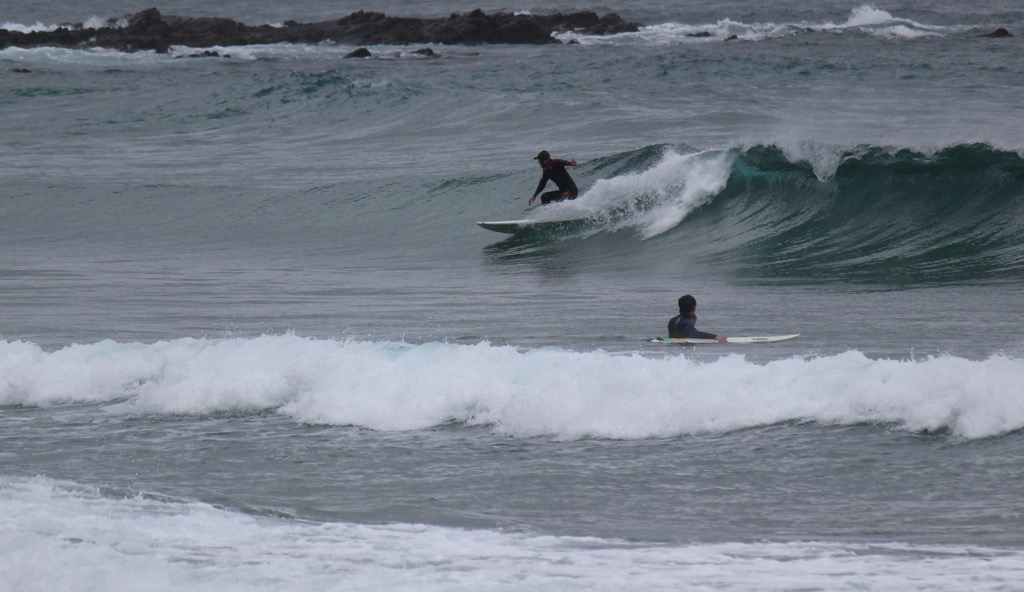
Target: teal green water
<point x="251" y="291"/>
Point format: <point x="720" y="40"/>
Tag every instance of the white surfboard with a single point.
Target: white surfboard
<point x="756" y="339"/>
<point x="514" y="226"/>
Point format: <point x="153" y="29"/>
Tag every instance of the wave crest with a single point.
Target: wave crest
<point x="866" y="213"/>
<point x="549" y="392"/>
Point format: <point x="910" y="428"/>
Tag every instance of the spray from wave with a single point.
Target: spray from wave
<point x="651" y="200"/>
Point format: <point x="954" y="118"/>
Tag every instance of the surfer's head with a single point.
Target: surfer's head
<point x="542" y="157"/>
<point x="687" y="304"/>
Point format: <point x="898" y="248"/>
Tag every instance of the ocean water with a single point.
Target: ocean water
<point x="251" y="337"/>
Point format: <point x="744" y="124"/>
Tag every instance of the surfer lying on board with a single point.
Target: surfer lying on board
<point x="683" y="325"/>
<point x="554" y="170"/>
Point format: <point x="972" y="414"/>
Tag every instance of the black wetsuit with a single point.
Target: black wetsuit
<point x="681" y="326"/>
<point x="554" y="170"/>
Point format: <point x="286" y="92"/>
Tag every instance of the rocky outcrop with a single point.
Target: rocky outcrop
<point x="150" y="30"/>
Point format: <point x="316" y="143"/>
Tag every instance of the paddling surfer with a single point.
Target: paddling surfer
<point x="554" y="170"/>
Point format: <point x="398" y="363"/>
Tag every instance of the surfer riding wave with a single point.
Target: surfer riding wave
<point x="554" y="170"/>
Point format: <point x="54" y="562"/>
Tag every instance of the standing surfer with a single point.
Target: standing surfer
<point x="554" y="170"/>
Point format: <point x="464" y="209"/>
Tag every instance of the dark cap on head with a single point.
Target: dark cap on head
<point x="543" y="155"/>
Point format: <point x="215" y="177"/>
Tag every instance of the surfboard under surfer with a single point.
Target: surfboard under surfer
<point x="554" y="170"/>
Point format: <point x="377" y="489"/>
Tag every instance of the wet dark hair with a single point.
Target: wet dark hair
<point x="687" y="304"/>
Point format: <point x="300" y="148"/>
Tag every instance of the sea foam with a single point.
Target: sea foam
<point x="554" y="392"/>
<point x="60" y="535"/>
<point x="863" y="19"/>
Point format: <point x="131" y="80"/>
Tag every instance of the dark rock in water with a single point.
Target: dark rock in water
<point x="998" y="33"/>
<point x="208" y="54"/>
<point x="426" y="52"/>
<point x="22" y="70"/>
<point x="150" y="30"/>
<point x="362" y="52"/>
<point x="701" y="34"/>
<point x="732" y="38"/>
